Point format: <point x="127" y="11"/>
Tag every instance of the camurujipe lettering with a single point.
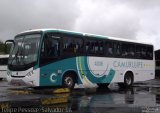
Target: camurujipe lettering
<point x="128" y="64"/>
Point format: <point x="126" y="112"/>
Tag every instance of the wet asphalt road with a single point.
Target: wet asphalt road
<point x="144" y="97"/>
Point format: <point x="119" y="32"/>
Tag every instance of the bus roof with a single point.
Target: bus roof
<point x="4" y="56"/>
<point x="83" y="34"/>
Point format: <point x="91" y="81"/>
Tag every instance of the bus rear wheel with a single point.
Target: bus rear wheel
<point x="68" y="81"/>
<point x="103" y="85"/>
<point x="128" y="81"/>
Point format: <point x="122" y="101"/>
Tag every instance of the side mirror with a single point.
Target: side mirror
<point x="8" y="42"/>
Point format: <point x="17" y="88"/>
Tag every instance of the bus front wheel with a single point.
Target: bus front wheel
<point x="128" y="81"/>
<point x="69" y="81"/>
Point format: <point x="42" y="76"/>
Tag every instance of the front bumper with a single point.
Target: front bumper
<point x="22" y="81"/>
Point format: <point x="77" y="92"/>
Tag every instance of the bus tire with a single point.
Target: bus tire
<point x="68" y="81"/>
<point x="103" y="85"/>
<point x="1" y="78"/>
<point x="128" y="80"/>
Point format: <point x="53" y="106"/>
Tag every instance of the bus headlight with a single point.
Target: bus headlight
<point x="29" y="73"/>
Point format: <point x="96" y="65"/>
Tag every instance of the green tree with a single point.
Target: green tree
<point x="4" y="49"/>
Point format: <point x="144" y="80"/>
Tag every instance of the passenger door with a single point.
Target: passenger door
<point x="49" y="61"/>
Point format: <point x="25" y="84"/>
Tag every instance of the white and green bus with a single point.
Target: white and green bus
<point x="51" y="57"/>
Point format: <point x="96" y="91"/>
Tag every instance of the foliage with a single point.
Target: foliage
<point x="4" y="49"/>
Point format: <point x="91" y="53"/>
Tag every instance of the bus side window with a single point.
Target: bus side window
<point x="138" y="51"/>
<point x="101" y="48"/>
<point x="131" y="50"/>
<point x="108" y="48"/>
<point x="67" y="46"/>
<point x="87" y="47"/>
<point x="78" y="46"/>
<point x="50" y="49"/>
<point x="149" y="53"/>
<point x="96" y="48"/>
<point x="124" y="50"/>
<point x="90" y="47"/>
<point x="3" y="61"/>
<point x="117" y="49"/>
<point x="72" y="46"/>
<point x="143" y="52"/>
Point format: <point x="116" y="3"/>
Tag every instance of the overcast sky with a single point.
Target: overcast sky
<point x="131" y="19"/>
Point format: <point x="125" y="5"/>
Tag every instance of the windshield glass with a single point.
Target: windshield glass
<point x="25" y="50"/>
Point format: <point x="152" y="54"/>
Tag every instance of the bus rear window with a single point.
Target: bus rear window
<point x="3" y="61"/>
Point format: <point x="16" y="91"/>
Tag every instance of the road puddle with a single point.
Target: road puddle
<point x="139" y="99"/>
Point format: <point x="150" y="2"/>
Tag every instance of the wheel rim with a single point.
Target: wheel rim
<point x="128" y="80"/>
<point x="68" y="82"/>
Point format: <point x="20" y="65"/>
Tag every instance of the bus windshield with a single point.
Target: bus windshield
<point x="25" y="50"/>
